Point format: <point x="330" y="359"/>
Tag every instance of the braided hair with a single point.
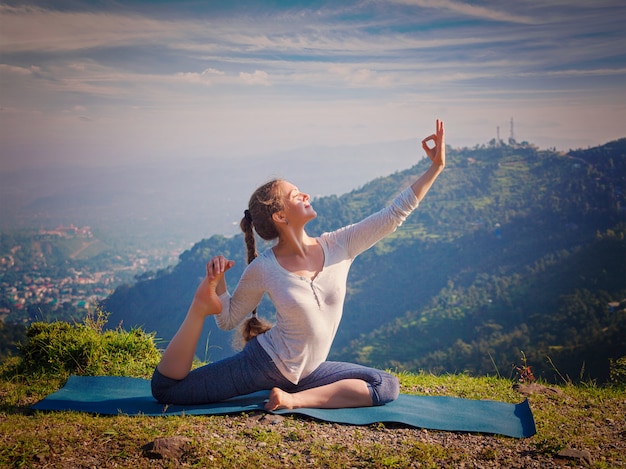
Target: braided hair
<point x="264" y="202"/>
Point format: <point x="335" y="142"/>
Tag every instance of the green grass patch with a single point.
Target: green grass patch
<point x="582" y="416"/>
<point x="54" y="351"/>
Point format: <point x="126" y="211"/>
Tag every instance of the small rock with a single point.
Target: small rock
<point x="535" y="388"/>
<point x="575" y="455"/>
<point x="172" y="447"/>
<point x="271" y="419"/>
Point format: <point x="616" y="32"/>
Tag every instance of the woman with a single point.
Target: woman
<point x="305" y="278"/>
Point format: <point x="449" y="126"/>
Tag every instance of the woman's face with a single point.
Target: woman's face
<point x="296" y="206"/>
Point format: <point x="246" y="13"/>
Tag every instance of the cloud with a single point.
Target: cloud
<point x="29" y="28"/>
<point x="37" y="29"/>
<point x="602" y="72"/>
<point x="206" y="77"/>
<point x="470" y="10"/>
<point x="363" y="77"/>
<point x="17" y="70"/>
<point x="259" y="77"/>
<point x="199" y="76"/>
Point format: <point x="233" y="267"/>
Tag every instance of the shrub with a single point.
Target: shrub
<point x="60" y="349"/>
<point x="618" y="370"/>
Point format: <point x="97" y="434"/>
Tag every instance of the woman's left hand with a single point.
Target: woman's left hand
<point x="437" y="154"/>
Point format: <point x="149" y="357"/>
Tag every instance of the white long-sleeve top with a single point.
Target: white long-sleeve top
<point x="308" y="311"/>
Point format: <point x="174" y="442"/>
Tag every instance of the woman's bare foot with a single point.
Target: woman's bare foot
<point x="206" y="298"/>
<point x="279" y="399"/>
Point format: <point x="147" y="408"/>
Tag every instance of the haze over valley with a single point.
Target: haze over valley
<point x="170" y="206"/>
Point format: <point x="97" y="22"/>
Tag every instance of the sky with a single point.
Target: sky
<point x="96" y="83"/>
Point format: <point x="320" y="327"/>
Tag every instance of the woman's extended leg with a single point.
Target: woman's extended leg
<point x="178" y="356"/>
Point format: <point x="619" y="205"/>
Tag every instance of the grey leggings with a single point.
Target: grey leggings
<point x="252" y="370"/>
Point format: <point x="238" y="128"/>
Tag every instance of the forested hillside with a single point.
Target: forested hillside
<point x="515" y="251"/>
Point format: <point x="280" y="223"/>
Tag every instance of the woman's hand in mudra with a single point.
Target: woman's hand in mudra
<point x="437" y="154"/>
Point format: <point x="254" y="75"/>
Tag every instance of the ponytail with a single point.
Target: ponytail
<point x="253" y="326"/>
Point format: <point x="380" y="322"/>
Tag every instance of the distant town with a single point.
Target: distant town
<point x="66" y="267"/>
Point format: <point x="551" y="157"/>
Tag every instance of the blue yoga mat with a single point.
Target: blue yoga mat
<point x="113" y="395"/>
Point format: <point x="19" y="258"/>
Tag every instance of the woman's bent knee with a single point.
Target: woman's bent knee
<point x="387" y="390"/>
<point x="160" y="385"/>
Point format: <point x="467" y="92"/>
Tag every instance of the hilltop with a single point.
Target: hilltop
<point x="577" y="425"/>
<point x="517" y="253"/>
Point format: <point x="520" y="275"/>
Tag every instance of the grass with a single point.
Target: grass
<point x="581" y="417"/>
<point x="584" y="416"/>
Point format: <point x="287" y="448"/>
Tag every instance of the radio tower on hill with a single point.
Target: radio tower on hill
<point x="512" y="134"/>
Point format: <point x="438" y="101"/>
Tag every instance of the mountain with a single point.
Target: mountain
<point x="516" y="255"/>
